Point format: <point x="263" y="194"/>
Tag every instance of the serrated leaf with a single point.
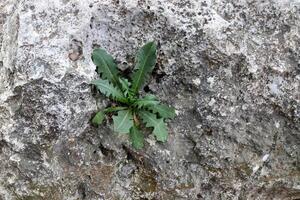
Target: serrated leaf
<point x="105" y="65"/>
<point x="149" y="100"/>
<point x="125" y="85"/>
<point x="160" y="130"/>
<point x="123" y="121"/>
<point x="145" y="62"/>
<point x="98" y="118"/>
<point x="136" y="138"/>
<point x="163" y="111"/>
<point x="109" y="90"/>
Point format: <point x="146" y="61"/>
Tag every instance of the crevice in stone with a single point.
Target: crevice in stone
<point x="147" y="89"/>
<point x="3" y="144"/>
<point x="108" y="153"/>
<point x="82" y="190"/>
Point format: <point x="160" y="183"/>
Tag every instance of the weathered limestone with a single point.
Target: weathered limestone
<point x="231" y="69"/>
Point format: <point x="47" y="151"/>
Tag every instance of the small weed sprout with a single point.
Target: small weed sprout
<point x="132" y="111"/>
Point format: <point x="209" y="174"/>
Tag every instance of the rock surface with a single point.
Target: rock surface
<point x="231" y="68"/>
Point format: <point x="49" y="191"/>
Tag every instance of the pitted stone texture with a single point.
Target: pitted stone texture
<point x="231" y="69"/>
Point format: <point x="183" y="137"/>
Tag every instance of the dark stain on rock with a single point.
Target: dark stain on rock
<point x="52" y="134"/>
<point x="92" y="22"/>
<point x="3" y="144"/>
<point x="116" y="2"/>
<point x="146" y="175"/>
<point x="82" y="190"/>
<point x="147" y="180"/>
<point x="29" y="97"/>
<point x="243" y="171"/>
<point x="32" y="152"/>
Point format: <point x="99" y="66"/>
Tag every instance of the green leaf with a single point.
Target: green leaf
<point x="124" y="83"/>
<point x="136" y="138"/>
<point x="113" y="109"/>
<point x="123" y="121"/>
<point x="163" y="111"/>
<point x="98" y="118"/>
<point x="160" y="130"/>
<point x="109" y="90"/>
<point x="105" y="65"/>
<point x="149" y="100"/>
<point x="145" y="62"/>
<point x="125" y="86"/>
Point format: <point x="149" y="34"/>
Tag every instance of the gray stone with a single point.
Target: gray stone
<point x="230" y="68"/>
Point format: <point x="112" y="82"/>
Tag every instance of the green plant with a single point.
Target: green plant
<point x="133" y="112"/>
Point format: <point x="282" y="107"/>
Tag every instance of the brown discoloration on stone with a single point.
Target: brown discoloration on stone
<point x="146" y="181"/>
<point x="101" y="178"/>
<point x="74" y="56"/>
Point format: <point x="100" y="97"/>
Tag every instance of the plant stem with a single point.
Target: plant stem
<point x="135" y="119"/>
